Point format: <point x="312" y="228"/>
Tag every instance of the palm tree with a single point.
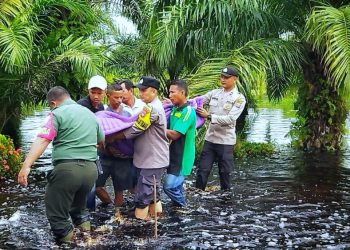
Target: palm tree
<point x="282" y="43"/>
<point x="46" y="43"/>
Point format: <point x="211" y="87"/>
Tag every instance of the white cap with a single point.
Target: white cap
<point x="97" y="82"/>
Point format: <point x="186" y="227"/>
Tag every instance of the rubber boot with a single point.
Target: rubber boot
<point x="153" y="207"/>
<point x="67" y="238"/>
<point x="85" y="226"/>
<point x="142" y="213"/>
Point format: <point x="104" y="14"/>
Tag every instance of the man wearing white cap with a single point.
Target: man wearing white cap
<point x="97" y="86"/>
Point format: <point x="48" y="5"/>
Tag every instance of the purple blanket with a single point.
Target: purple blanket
<point x="111" y="123"/>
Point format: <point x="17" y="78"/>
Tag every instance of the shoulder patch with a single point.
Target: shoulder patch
<point x="239" y="101"/>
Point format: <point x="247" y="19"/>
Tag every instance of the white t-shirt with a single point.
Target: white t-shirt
<point x="137" y="108"/>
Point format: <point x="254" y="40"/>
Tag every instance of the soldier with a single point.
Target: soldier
<point x="74" y="138"/>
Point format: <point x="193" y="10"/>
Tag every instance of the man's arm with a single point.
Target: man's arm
<point x="172" y="134"/>
<point x="206" y="98"/>
<point x="233" y="115"/>
<point x="37" y="148"/>
<point x="230" y="118"/>
<point x="144" y="121"/>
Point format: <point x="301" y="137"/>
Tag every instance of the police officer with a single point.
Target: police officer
<point x="151" y="148"/>
<point x="225" y="106"/>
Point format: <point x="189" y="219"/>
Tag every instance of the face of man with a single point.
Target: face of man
<point x="147" y="95"/>
<point x="96" y="96"/>
<point x="228" y="82"/>
<point x="115" y="98"/>
<point x="127" y="94"/>
<point x="176" y="95"/>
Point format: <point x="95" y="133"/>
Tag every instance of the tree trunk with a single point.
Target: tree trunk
<point x="321" y="109"/>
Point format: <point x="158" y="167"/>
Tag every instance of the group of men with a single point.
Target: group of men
<point x="160" y="145"/>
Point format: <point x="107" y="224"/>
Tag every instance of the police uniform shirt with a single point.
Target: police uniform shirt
<point x="224" y="108"/>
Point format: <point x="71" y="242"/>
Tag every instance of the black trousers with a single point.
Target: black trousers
<point x="145" y="186"/>
<point x="211" y="152"/>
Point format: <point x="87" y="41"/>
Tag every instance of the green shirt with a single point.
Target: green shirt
<point x="77" y="132"/>
<point x="182" y="150"/>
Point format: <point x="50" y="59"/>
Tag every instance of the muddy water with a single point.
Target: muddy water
<point x="289" y="200"/>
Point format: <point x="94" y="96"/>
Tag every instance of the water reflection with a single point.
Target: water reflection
<point x="289" y="200"/>
<point x="266" y="125"/>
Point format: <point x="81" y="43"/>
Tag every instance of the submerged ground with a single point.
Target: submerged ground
<point x="290" y="200"/>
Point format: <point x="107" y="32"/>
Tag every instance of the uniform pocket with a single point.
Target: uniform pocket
<point x="214" y="102"/>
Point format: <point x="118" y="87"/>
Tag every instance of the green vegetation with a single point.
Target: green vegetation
<point x="10" y="158"/>
<point x="277" y="45"/>
<point x="287" y="104"/>
<point x="245" y="149"/>
<point x="200" y="140"/>
<point x="29" y="108"/>
<point x="326" y="113"/>
<point x="46" y="43"/>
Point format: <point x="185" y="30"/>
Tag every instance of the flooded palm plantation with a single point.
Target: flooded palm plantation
<point x="289" y="200"/>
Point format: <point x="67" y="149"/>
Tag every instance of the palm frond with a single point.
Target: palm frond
<point x="16" y="43"/>
<point x="210" y="26"/>
<point x="81" y="54"/>
<point x="11" y="8"/>
<point x="267" y="59"/>
<point x="328" y="31"/>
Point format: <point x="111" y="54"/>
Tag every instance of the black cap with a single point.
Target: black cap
<point x="228" y="72"/>
<point x="147" y="81"/>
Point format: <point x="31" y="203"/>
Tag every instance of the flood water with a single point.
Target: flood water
<point x="289" y="200"/>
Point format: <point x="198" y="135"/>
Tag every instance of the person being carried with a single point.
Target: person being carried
<point x="182" y="132"/>
<point x="225" y="106"/>
<point x="151" y="148"/>
<point x="113" y="163"/>
<point x="74" y="138"/>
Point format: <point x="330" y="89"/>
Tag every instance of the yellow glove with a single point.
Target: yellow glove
<point x="144" y="119"/>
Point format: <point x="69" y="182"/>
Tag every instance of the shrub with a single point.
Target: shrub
<point x="10" y="158"/>
<point x="245" y="149"/>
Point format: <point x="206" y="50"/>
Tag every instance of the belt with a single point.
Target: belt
<point x="70" y="161"/>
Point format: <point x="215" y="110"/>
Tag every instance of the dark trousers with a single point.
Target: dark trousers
<point x="145" y="186"/>
<point x="211" y="152"/>
<point x="66" y="193"/>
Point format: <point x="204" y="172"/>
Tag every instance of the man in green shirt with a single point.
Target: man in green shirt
<point x="182" y="130"/>
<point x="74" y="132"/>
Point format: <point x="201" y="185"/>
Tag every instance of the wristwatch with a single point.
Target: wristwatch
<point x="209" y="117"/>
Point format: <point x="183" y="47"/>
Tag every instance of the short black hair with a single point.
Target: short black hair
<point x="128" y="84"/>
<point x="114" y="87"/>
<point x="56" y="93"/>
<point x="180" y="84"/>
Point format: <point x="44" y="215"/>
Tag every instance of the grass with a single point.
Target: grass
<point x="30" y="108"/>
